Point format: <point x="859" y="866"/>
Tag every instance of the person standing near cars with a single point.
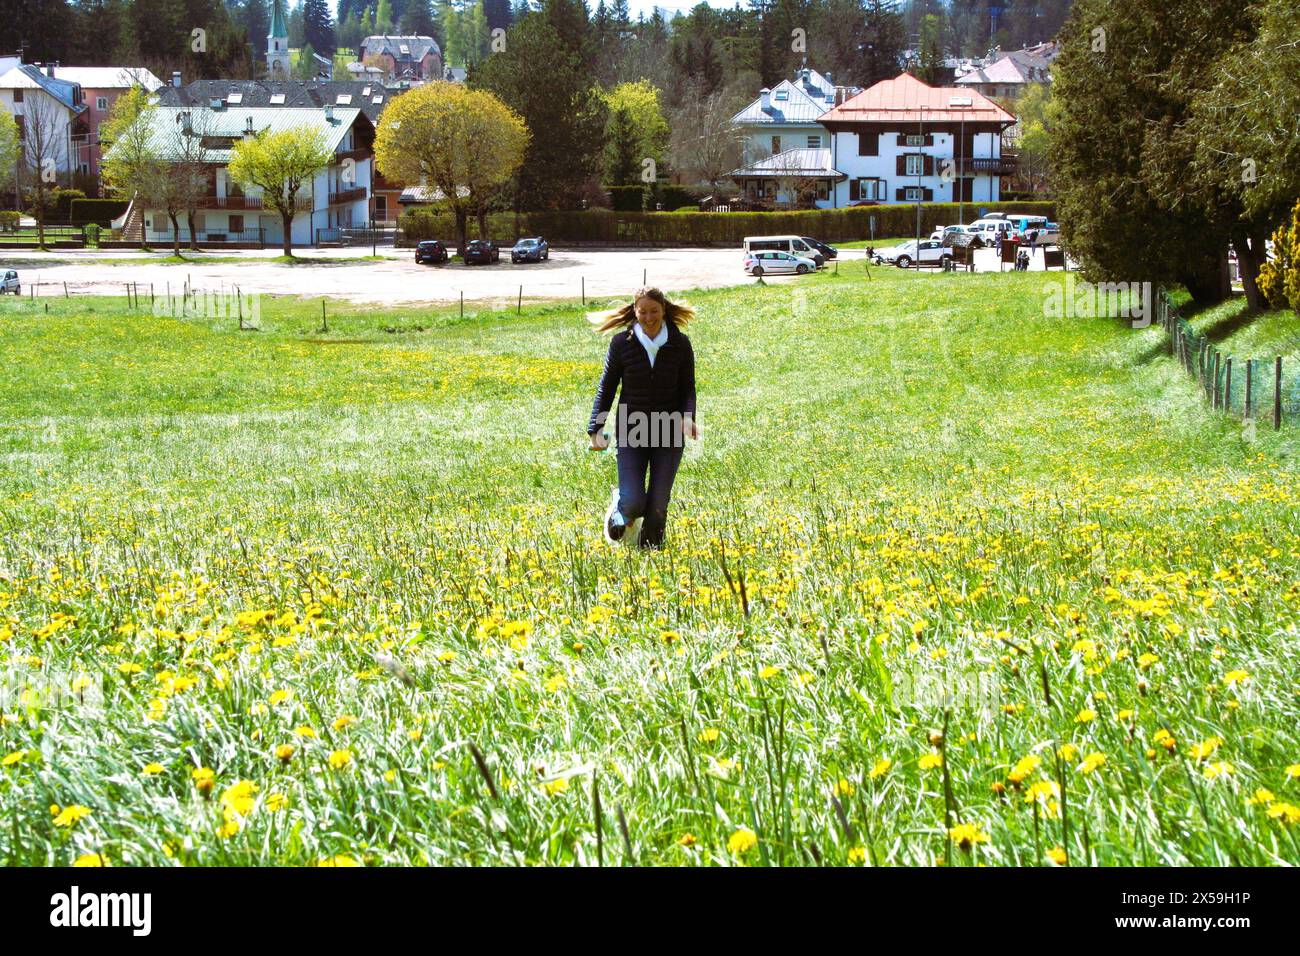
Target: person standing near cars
<point x="653" y="362"/>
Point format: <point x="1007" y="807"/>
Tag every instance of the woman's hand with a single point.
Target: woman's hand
<point x="692" y="429"/>
<point x="599" y="441"/>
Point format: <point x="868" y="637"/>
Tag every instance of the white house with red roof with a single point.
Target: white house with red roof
<point x="905" y="141"/>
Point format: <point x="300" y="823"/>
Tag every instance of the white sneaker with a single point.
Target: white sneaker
<point x="609" y="513"/>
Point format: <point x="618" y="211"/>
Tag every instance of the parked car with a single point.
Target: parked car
<point x="943" y="232"/>
<point x="530" y="250"/>
<point x="986" y="231"/>
<point x="431" y="250"/>
<point x="1046" y="233"/>
<point x="481" y="250"/>
<point x="11" y="283"/>
<point x="773" y="263"/>
<point x="829" y="251"/>
<point x="903" y="256"/>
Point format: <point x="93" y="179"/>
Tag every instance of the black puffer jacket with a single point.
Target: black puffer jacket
<point x="667" y="387"/>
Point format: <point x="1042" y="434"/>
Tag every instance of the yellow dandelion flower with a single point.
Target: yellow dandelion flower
<point x="1285" y="812"/>
<point x="91" y="859"/>
<point x="302" y="730"/>
<point x="1147" y="659"/>
<point x="342" y="723"/>
<point x="1085" y="715"/>
<point x="1206" y="747"/>
<point x="1092" y="762"/>
<point x="930" y="761"/>
<point x="129" y="667"/>
<point x="1057" y="855"/>
<point x="553" y="787"/>
<point x="340" y="759"/>
<point x="1067" y="752"/>
<point x="1024" y="767"/>
<point x="881" y="767"/>
<point x="1220" y="768"/>
<point x="68" y="816"/>
<point x="842" y="788"/>
<point x="280" y="697"/>
<point x="238" y="797"/>
<point x="341" y="859"/>
<point x="742" y="841"/>
<point x="12" y="758"/>
<point x="768" y="672"/>
<point x="966" y="835"/>
<point x="151" y="769"/>
<point x="858" y="854"/>
<point x="1262" y="795"/>
<point x="276" y="801"/>
<point x="1235" y="677"/>
<point x="1293" y="771"/>
<point x="687" y="839"/>
<point x="284" y="752"/>
<point x="708" y="735"/>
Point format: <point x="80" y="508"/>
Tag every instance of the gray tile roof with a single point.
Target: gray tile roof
<point x="291" y="94"/>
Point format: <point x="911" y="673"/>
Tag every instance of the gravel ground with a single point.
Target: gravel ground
<point x="397" y="279"/>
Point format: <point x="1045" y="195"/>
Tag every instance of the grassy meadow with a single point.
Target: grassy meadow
<point x="947" y="581"/>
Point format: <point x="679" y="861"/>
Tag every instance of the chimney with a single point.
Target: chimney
<point x="49" y="69"/>
<point x="329" y="112"/>
<point x="765" y="99"/>
<point x="176" y="78"/>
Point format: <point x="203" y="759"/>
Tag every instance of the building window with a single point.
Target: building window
<point x="236" y="224"/>
<point x="101" y="103"/>
<point x="18" y="96"/>
<point x="381" y="207"/>
<point x="776" y="145"/>
<point x="915" y="140"/>
<point x="823" y="191"/>
<point x="915" y="164"/>
<point x="814" y="142"/>
<point x="912" y="194"/>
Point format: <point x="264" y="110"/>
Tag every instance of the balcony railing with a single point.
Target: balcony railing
<point x="999" y="165"/>
<point x="347" y="195"/>
<point x="301" y="204"/>
<point x="359" y="153"/>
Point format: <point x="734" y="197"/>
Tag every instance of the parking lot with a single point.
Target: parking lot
<point x="395" y="278"/>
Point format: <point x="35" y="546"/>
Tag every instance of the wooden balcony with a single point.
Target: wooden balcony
<point x="348" y="195"/>
<point x="358" y="154"/>
<point x="998" y="166"/>
<point x="301" y="204"/>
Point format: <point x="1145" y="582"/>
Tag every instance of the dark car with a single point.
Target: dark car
<point x="830" y="252"/>
<point x="530" y="250"/>
<point x="431" y="250"/>
<point x="482" y="250"/>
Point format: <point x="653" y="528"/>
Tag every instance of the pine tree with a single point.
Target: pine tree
<point x="255" y="17"/>
<point x="318" y="27"/>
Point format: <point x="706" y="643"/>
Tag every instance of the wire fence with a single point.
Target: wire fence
<point x="1261" y="389"/>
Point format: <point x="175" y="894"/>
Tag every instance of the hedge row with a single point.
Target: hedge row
<point x="605" y="225"/>
<point x="99" y="211"/>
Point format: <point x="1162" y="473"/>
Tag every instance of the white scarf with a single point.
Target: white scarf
<point x="651" y="345"/>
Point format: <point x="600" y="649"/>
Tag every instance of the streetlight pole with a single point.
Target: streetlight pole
<point x="920" y="168"/>
<point x="963" y="103"/>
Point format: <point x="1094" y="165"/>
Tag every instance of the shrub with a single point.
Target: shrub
<point x="101" y="211"/>
<point x="62" y="200"/>
<point x="92" y="234"/>
<point x="605" y="225"/>
<point x="9" y="219"/>
<point x="627" y="198"/>
<point x="1279" y="277"/>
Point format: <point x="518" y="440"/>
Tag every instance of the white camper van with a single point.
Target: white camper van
<point x="791" y="244"/>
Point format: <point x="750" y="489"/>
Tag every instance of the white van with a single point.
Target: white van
<point x="791" y="244"/>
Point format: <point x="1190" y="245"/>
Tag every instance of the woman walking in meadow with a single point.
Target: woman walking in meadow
<point x="653" y="360"/>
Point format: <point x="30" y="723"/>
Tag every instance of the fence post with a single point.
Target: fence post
<point x="1277" y="394"/>
<point x="1214" y="402"/>
<point x="1250" y="365"/>
<point x="1227" y="385"/>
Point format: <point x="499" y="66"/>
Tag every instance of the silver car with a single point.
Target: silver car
<point x="10" y="283"/>
<point x="774" y="263"/>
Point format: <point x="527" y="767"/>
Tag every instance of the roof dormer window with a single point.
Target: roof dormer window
<point x="234" y="99"/>
<point x="277" y="99"/>
<point x="781" y="95"/>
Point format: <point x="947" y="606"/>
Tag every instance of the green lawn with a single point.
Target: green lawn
<point x="316" y="572"/>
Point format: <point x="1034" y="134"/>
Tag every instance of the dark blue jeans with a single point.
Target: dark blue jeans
<point x="636" y="500"/>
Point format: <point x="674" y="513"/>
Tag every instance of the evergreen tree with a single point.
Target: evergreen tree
<point x="418" y="19"/>
<point x="297" y="27"/>
<point x="565" y="114"/>
<point x="318" y="27"/>
<point x="254" y="16"/>
<point x="384" y="17"/>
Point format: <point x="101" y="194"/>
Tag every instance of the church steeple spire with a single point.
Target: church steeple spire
<point x="277" y="43"/>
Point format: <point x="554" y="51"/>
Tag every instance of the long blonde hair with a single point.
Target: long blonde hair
<point x="676" y="313"/>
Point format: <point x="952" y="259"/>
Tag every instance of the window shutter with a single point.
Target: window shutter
<point x="900" y="194"/>
<point x="853" y="190"/>
<point x="929" y="139"/>
<point x="927" y="194"/>
<point x="900" y="139"/>
<point x="868" y="144"/>
<point x="901" y="165"/>
<point x="927" y="166"/>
